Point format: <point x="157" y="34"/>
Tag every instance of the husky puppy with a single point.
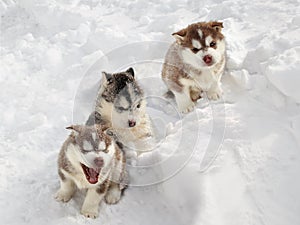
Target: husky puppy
<point x="121" y="106"/>
<point x="195" y="63"/>
<point x="89" y="159"/>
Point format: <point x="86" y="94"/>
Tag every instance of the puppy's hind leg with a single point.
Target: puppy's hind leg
<point x="184" y="101"/>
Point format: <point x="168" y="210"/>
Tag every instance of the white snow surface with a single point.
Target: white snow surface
<point x="52" y="55"/>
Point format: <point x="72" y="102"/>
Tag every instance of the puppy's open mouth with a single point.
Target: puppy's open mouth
<point x="91" y="174"/>
<point x="208" y="59"/>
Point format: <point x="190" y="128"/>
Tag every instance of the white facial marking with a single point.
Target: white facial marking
<point x="94" y="136"/>
<point x="73" y="151"/>
<point x="119" y="120"/>
<point x="208" y="39"/>
<point x="131" y="91"/>
<point x="102" y="145"/>
<point x="88" y="158"/>
<point x="123" y="102"/>
<point x="196" y="44"/>
<point x="87" y="146"/>
<point x="200" y="33"/>
<point x="107" y="157"/>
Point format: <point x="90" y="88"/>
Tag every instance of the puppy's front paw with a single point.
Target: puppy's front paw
<point x="214" y="95"/>
<point x="113" y="196"/>
<point x="63" y="196"/>
<point x="90" y="213"/>
<point x="188" y="107"/>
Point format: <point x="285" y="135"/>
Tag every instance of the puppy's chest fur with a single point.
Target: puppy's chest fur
<point x="200" y="78"/>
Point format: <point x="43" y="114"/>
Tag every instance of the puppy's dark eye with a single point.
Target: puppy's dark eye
<point x="121" y="108"/>
<point x="109" y="133"/>
<point x="110" y="81"/>
<point x="212" y="44"/>
<point x="138" y="106"/>
<point x="195" y="50"/>
<point x="105" y="150"/>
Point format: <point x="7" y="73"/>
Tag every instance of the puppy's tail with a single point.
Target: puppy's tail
<point x="169" y="94"/>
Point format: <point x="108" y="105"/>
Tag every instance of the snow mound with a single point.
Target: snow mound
<point x="283" y="72"/>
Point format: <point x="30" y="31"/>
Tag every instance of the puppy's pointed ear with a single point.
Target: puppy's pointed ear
<point x="107" y="76"/>
<point x="216" y="25"/>
<point x="179" y="35"/>
<point x="130" y="71"/>
<point x="75" y="128"/>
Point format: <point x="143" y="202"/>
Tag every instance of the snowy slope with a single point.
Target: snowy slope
<point x="52" y="53"/>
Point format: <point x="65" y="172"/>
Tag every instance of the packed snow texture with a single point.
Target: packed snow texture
<point x="235" y="161"/>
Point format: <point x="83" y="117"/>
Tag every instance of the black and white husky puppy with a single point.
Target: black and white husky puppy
<point x="121" y="105"/>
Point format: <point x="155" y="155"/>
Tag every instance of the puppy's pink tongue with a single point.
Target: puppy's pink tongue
<point x="93" y="178"/>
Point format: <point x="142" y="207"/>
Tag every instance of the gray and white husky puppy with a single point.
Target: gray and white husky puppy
<point x="121" y="105"/>
<point x="90" y="159"/>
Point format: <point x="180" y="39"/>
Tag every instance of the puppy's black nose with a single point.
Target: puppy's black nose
<point x="131" y="123"/>
<point x="99" y="162"/>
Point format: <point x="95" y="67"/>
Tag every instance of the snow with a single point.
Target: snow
<point x="283" y="73"/>
<point x="234" y="161"/>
